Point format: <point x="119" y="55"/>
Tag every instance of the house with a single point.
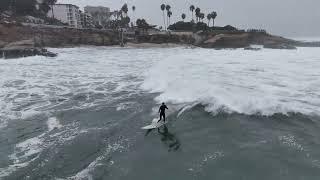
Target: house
<point x="66" y="13"/>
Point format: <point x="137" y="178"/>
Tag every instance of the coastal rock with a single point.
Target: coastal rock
<point x="57" y="36"/>
<point x="252" y="49"/>
<point x="23" y="48"/>
<point x="11" y="53"/>
<point x="279" y="46"/>
<point x="227" y="41"/>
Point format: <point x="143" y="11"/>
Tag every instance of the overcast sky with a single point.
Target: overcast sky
<point x="292" y="18"/>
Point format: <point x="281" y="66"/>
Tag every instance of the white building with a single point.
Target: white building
<point x="66" y="13"/>
<point x="100" y="15"/>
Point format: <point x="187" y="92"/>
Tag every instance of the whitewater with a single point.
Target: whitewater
<point x="78" y="116"/>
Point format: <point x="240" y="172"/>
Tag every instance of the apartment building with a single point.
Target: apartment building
<point x="100" y="15"/>
<point x="66" y="13"/>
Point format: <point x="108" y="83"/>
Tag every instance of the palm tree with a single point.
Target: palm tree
<point x="198" y="10"/>
<point x="125" y="9"/>
<point x="163" y="7"/>
<point x="209" y="19"/>
<point x="168" y="7"/>
<point x="183" y="16"/>
<point x="213" y="17"/>
<point x="201" y="16"/>
<point x="192" y="9"/>
<point x="133" y="10"/>
<point x="169" y="14"/>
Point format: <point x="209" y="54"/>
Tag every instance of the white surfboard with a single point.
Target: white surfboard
<point x="155" y="124"/>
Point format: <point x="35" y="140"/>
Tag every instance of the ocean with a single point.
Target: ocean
<point x="233" y="114"/>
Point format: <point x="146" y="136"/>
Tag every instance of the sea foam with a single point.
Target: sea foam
<point x="263" y="82"/>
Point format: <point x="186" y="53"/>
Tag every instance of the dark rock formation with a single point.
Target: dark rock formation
<point x="23" y="48"/>
<point x="252" y="49"/>
<point x="17" y="53"/>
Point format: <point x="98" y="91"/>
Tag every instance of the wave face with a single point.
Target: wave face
<point x="263" y="82"/>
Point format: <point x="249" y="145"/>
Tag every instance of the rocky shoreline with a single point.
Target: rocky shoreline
<point x="29" y="40"/>
<point x="23" y="48"/>
<point x="18" y="40"/>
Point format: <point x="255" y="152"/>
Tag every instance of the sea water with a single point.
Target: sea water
<point x="233" y="114"/>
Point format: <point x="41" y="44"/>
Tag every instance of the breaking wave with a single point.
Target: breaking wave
<point x="263" y="82"/>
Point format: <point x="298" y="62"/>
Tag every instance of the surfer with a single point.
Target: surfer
<point x="162" y="111"/>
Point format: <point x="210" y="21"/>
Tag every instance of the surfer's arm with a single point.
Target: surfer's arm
<point x="166" y="107"/>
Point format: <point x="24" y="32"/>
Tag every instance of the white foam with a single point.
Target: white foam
<point x="29" y="150"/>
<point x="22" y="152"/>
<point x="266" y="81"/>
<point x="85" y="174"/>
<point x="42" y="82"/>
<point x="53" y="123"/>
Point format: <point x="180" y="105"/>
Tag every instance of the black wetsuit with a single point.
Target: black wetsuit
<point x="162" y="111"/>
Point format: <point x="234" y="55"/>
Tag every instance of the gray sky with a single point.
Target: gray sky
<point x="292" y="18"/>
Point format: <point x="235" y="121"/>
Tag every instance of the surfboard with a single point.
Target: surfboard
<point x="155" y="124"/>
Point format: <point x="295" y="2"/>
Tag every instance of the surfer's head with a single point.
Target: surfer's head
<point x="163" y="103"/>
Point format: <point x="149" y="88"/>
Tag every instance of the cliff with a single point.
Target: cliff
<point x="55" y="36"/>
<point x="17" y="40"/>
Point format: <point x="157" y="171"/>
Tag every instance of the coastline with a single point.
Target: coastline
<point x="29" y="40"/>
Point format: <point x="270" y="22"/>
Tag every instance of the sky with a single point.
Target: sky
<point x="290" y="18"/>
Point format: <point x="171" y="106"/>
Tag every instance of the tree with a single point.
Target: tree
<point x="163" y="7"/>
<point x="125" y="9"/>
<point x="192" y="9"/>
<point x="201" y="16"/>
<point x="25" y="7"/>
<point x="133" y="10"/>
<point x="183" y="16"/>
<point x="169" y="14"/>
<point x="209" y="19"/>
<point x="213" y="17"/>
<point x="50" y="4"/>
<point x="125" y="21"/>
<point x="198" y="10"/>
<point x="168" y="7"/>
<point x="142" y="24"/>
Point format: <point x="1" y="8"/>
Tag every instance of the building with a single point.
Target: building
<point x="86" y="20"/>
<point x="100" y="15"/>
<point x="66" y="13"/>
